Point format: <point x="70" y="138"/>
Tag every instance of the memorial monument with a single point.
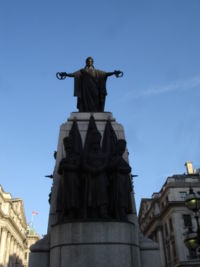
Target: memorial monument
<point x="92" y="219"/>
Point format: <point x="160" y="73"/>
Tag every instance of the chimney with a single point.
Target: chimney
<point x="189" y="167"/>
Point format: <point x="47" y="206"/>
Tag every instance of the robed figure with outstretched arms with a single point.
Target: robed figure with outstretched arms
<point x="90" y="86"/>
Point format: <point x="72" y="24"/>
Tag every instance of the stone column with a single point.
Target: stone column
<point x="23" y="255"/>
<point x="16" y="257"/>
<point x="21" y="258"/>
<point x="17" y="254"/>
<point x="20" y="254"/>
<point x="0" y="234"/>
<point x="7" y="249"/>
<point x="161" y="246"/>
<point x="14" y="253"/>
<point x="3" y="246"/>
<point x="10" y="252"/>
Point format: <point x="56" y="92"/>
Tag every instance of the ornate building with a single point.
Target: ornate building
<point x="15" y="240"/>
<point x="165" y="218"/>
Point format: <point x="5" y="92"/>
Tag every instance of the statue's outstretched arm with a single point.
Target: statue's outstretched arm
<point x="63" y="75"/>
<point x="117" y="73"/>
<point x="110" y="73"/>
<point x="70" y="74"/>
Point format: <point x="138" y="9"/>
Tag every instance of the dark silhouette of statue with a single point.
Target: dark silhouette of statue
<point x="90" y="86"/>
<point x="95" y="182"/>
<point x="69" y="196"/>
<point x="109" y="142"/>
<point x="121" y="187"/>
<point x="96" y="199"/>
<point x="70" y="181"/>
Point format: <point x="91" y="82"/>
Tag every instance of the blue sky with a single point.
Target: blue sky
<point x="156" y="43"/>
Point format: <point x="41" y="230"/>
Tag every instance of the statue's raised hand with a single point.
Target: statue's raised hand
<point x="118" y="73"/>
<point x="61" y="75"/>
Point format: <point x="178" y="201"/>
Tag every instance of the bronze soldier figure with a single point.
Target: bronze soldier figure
<point x="121" y="186"/>
<point x="70" y="181"/>
<point x="95" y="179"/>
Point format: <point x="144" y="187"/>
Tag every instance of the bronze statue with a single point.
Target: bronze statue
<point x="95" y="179"/>
<point x="121" y="186"/>
<point x="90" y="86"/>
<point x="70" y="181"/>
<point x="69" y="192"/>
<point x="109" y="142"/>
<point x="95" y="182"/>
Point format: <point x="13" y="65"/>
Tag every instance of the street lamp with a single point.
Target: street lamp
<point x="192" y="202"/>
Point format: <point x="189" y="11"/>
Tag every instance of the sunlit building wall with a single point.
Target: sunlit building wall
<point x="14" y="237"/>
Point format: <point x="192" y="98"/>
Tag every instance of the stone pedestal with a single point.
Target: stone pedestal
<point x="39" y="256"/>
<point x="92" y="243"/>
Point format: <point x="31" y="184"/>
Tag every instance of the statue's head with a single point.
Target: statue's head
<point x="121" y="146"/>
<point x="89" y="61"/>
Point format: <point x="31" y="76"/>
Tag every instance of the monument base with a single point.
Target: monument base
<point x="98" y="244"/>
<point x="39" y="256"/>
<point x="95" y="244"/>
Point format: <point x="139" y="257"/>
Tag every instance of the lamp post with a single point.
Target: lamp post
<point x="192" y="240"/>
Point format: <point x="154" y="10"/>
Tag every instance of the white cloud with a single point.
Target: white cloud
<point x="175" y="86"/>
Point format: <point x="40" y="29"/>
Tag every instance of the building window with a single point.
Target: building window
<point x="156" y="237"/>
<point x="166" y="230"/>
<point x="168" y="254"/>
<point x="187" y="220"/>
<point x="174" y="250"/>
<point x="151" y="236"/>
<point x="171" y="225"/>
<point x="182" y="195"/>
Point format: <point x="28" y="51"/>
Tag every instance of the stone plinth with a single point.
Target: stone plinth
<point x="39" y="256"/>
<point x="95" y="244"/>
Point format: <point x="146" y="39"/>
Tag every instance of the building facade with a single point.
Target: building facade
<point x="165" y="218"/>
<point x="14" y="237"/>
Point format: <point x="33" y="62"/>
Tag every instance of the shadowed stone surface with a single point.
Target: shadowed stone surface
<point x="95" y="244"/>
